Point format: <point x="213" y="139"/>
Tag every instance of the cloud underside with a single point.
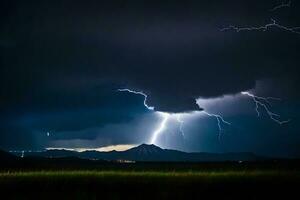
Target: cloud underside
<point x="176" y="55"/>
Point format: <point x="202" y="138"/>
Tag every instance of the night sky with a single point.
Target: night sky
<point x="63" y="61"/>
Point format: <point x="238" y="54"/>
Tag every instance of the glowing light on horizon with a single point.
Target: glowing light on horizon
<point x="118" y="147"/>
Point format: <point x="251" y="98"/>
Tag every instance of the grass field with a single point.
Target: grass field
<point x="93" y="184"/>
<point x="140" y="176"/>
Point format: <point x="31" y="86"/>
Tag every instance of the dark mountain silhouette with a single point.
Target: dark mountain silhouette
<point x="147" y="152"/>
<point x="5" y="156"/>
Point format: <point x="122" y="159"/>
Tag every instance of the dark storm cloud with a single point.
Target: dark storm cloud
<point x="61" y="62"/>
<point x="174" y="51"/>
<point x="137" y="130"/>
<point x="79" y="115"/>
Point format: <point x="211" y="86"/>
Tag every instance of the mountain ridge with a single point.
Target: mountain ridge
<point x="148" y="152"/>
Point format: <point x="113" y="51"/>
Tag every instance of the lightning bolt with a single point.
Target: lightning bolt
<point x="180" y="121"/>
<point x="165" y="116"/>
<point x="220" y="120"/>
<point x="161" y="127"/>
<point x="138" y="93"/>
<point x="273" y="23"/>
<point x="264" y="102"/>
<point x="282" y="5"/>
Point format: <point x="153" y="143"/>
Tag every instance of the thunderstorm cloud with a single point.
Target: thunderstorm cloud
<point x="62" y="61"/>
<point x="174" y="52"/>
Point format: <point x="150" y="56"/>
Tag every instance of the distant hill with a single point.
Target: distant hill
<point x="5" y="156"/>
<point x="147" y="152"/>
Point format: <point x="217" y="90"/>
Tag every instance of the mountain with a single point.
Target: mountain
<point x="147" y="152"/>
<point x="7" y="157"/>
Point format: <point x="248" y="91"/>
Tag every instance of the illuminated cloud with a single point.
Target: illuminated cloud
<point x="120" y="147"/>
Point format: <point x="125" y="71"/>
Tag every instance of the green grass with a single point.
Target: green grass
<point x="150" y="174"/>
<point x="109" y="184"/>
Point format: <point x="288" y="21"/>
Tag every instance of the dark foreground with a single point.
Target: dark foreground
<point x="149" y="185"/>
<point x="69" y="179"/>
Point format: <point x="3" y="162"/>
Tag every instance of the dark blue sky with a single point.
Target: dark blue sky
<point x="63" y="61"/>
